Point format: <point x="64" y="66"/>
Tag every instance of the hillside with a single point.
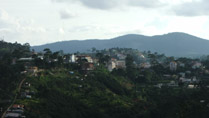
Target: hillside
<point x="172" y="44"/>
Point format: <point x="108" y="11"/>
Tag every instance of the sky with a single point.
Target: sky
<point x="45" y="21"/>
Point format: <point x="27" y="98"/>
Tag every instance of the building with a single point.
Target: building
<point x="26" y="59"/>
<point x="196" y="65"/>
<point x="186" y="80"/>
<point x="111" y="64"/>
<point x="72" y="58"/>
<point x="84" y="57"/>
<point x="182" y="74"/>
<point x="121" y="56"/>
<point x="145" y="65"/>
<point x="14" y="61"/>
<point x="181" y="65"/>
<point x="13" y="115"/>
<point x="32" y="69"/>
<point x="120" y="64"/>
<point x="16" y="111"/>
<point x="88" y="66"/>
<point x="173" y="66"/>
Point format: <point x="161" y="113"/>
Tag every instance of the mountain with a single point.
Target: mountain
<point x="171" y="44"/>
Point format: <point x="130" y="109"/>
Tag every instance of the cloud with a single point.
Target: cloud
<point x="62" y="31"/>
<point x="179" y="7"/>
<point x="145" y="3"/>
<point x="110" y="4"/>
<point x="66" y="14"/>
<point x="100" y="4"/>
<point x="18" y="29"/>
<point x="192" y="8"/>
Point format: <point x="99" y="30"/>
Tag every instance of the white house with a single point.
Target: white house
<point x="72" y="58"/>
<point x="173" y="66"/>
<point x="196" y="65"/>
<point x="111" y="64"/>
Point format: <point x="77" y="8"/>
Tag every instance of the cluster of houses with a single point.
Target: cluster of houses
<point x="26" y="92"/>
<point x="117" y="61"/>
<point x="90" y="63"/>
<point x="16" y="111"/>
<point x="194" y="65"/>
<point x="185" y="78"/>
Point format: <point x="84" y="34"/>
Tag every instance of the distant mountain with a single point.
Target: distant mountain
<point x="171" y="44"/>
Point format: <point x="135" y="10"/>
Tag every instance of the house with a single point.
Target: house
<point x="191" y="86"/>
<point x="27" y="84"/>
<point x="88" y="66"/>
<point x="145" y="65"/>
<point x="40" y="57"/>
<point x="71" y="72"/>
<point x="185" y="80"/>
<point x="121" y="56"/>
<point x="69" y="58"/>
<point x="181" y="65"/>
<point x="196" y="65"/>
<point x="206" y="71"/>
<point x="54" y="60"/>
<point x="23" y="94"/>
<point x="28" y="96"/>
<point x="159" y="85"/>
<point x="14" y="61"/>
<point x="120" y="64"/>
<point x="173" y="66"/>
<point x="16" y="111"/>
<point x="13" y="115"/>
<point x="23" y="72"/>
<point x="188" y="72"/>
<point x="167" y="75"/>
<point x="111" y="64"/>
<point x="32" y="69"/>
<point x="26" y="59"/>
<point x="20" y="111"/>
<point x="84" y="57"/>
<point x="18" y="106"/>
<point x="95" y="60"/>
<point x="172" y="84"/>
<point x="194" y="79"/>
<point x="182" y="74"/>
<point x="72" y="58"/>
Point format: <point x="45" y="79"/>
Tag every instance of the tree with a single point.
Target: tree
<point x="129" y="62"/>
<point x="47" y="53"/>
<point x="103" y="59"/>
<point x="130" y="67"/>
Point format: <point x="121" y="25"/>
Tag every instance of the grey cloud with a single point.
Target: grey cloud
<point x="197" y="8"/>
<point x="109" y="4"/>
<point x="99" y="4"/>
<point x="65" y="14"/>
<point x="145" y="3"/>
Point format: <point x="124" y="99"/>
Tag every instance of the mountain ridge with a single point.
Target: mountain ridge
<point x="171" y="44"/>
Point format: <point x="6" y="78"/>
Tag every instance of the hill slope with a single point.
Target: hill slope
<point x="172" y="44"/>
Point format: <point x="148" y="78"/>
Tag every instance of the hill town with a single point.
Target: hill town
<point x="115" y="82"/>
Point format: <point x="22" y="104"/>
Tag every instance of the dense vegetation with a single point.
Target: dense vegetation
<point x="102" y="94"/>
<point x="10" y="73"/>
<point x="63" y="90"/>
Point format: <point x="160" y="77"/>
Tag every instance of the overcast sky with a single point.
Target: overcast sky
<point x="45" y="21"/>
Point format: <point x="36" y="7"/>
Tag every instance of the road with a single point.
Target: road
<point x="19" y="88"/>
